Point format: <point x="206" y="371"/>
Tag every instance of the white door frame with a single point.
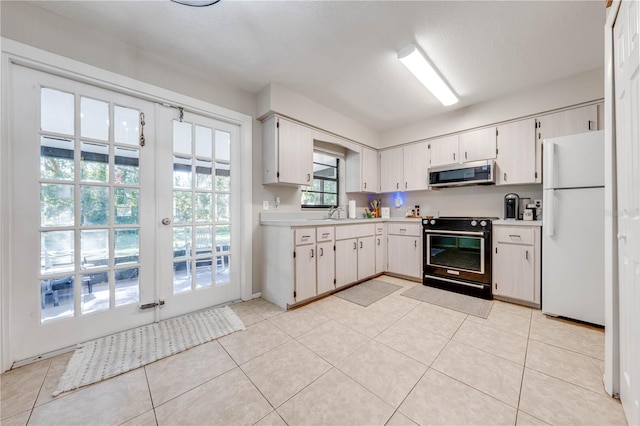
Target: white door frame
<point x="21" y="54"/>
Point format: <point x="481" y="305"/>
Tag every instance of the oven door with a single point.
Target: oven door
<point x="458" y="255"/>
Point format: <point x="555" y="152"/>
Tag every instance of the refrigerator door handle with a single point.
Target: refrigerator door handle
<point x="549" y="160"/>
<point x="548" y="217"/>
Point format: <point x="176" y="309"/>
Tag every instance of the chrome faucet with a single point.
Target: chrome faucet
<point x="333" y="210"/>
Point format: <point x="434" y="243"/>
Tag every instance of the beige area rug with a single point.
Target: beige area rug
<point x="112" y="355"/>
<point x="368" y="292"/>
<point x="448" y="299"/>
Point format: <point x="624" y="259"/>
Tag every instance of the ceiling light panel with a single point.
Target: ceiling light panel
<point x="418" y="64"/>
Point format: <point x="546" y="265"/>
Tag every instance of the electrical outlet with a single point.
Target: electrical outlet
<point x="265" y="205"/>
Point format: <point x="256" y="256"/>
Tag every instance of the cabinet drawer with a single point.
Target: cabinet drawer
<point x="379" y="228"/>
<point x="324" y="233"/>
<point x="514" y="234"/>
<point x="305" y="236"/>
<point x="345" y="232"/>
<point x="412" y="229"/>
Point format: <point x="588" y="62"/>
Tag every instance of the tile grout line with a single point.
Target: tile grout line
<point x="524" y="367"/>
<point x="153" y="406"/>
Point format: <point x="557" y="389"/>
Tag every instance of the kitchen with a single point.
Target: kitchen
<point x="563" y="93"/>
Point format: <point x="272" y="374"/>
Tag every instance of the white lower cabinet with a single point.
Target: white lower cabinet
<point x="325" y="267"/>
<point x="381" y="248"/>
<point x="516" y="263"/>
<point x="355" y="253"/>
<point x="305" y="267"/>
<point x="404" y="249"/>
<point x="346" y="261"/>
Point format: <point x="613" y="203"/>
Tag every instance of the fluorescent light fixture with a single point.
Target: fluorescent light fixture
<point x="413" y="59"/>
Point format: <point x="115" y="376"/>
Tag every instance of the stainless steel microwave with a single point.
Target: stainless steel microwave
<point x="472" y="173"/>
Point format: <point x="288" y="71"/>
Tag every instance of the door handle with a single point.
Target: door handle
<point x="622" y="237"/>
<point x="166" y="221"/>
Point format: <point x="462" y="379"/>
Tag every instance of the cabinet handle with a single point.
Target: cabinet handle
<point x="515" y="236"/>
<point x="415" y="243"/>
<point x="505" y="177"/>
<point x="308" y="177"/>
<point x="360" y="244"/>
<point x="403" y="230"/>
<point x="304" y="237"/>
<point x="325" y="234"/>
<point x="465" y="155"/>
<point x="365" y="185"/>
<point x="321" y="251"/>
<point x="397" y="185"/>
<point x="589" y="126"/>
<point x="312" y="254"/>
<point x="454" y="156"/>
<point x="405" y="185"/>
<point x="378" y="241"/>
<point x="355" y="246"/>
<point x="526" y="254"/>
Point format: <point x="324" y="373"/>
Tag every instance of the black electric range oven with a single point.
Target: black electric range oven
<point x="457" y="254"/>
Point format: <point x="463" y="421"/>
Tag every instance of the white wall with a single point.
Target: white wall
<point x="574" y="90"/>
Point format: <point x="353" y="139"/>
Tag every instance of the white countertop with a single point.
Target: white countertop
<point x="512" y="222"/>
<point x="294" y="219"/>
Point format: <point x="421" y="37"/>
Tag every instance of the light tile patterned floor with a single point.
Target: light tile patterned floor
<point x="396" y="362"/>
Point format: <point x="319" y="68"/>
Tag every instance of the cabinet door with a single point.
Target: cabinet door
<point x="443" y="151"/>
<point x="366" y="257"/>
<point x="404" y="255"/>
<point x="478" y="145"/>
<point x="570" y="122"/>
<point x="295" y="153"/>
<point x="381" y="254"/>
<point x="369" y="170"/>
<point x="513" y="272"/>
<point x="517" y="159"/>
<point x="346" y="261"/>
<point x="305" y="266"/>
<point x="416" y="166"/>
<point x="391" y="170"/>
<point x="326" y="268"/>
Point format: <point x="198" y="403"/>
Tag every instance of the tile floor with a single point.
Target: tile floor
<point x="396" y="362"/>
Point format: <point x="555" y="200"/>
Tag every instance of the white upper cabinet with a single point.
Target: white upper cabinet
<point x="443" y="151"/>
<point x="518" y="160"/>
<point x="416" y="169"/>
<point x="287" y="150"/>
<point x="569" y="122"/>
<point x="477" y="145"/>
<point x="391" y="170"/>
<point x="362" y="171"/>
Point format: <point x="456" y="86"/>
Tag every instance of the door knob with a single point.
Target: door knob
<point x="166" y="221"/>
<point x="622" y="237"/>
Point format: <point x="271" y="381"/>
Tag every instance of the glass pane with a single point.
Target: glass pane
<point x="94" y="119"/>
<point x="317" y="185"/>
<point x="56" y="205"/>
<point x="456" y="252"/>
<point x="126" y="167"/>
<point x="204" y="207"/>
<point x="126" y="206"/>
<point x="331" y="186"/>
<point x="182" y="206"/>
<point x="223" y="237"/>
<point x="57" y="252"/>
<point x="182" y="172"/>
<point x="223" y="177"/>
<point x="181" y="137"/>
<point x="204" y="240"/>
<point x="127" y="286"/>
<point x="181" y="241"/>
<point x="127" y="246"/>
<point x="126" y="126"/>
<point x="204" y="278"/>
<point x="223" y="202"/>
<point x="330" y="200"/>
<point x="223" y="145"/>
<point x="320" y="170"/>
<point x="327" y="160"/>
<point x="311" y="198"/>
<point x="95" y="162"/>
<point x="95" y="292"/>
<point x="204" y="142"/>
<point x="56" y="298"/>
<point x="223" y="269"/>
<point x="203" y="174"/>
<point x="56" y="158"/>
<point x="94" y="205"/>
<point x="181" y="276"/>
<point x="57" y="112"/>
<point x="94" y="248"/>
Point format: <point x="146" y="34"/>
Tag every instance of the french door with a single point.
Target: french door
<point x="113" y="215"/>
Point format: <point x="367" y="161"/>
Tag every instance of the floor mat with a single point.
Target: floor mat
<point x="368" y="292"/>
<point x="448" y="299"/>
<point x="112" y="355"/>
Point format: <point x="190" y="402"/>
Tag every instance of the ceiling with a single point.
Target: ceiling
<point x="343" y="54"/>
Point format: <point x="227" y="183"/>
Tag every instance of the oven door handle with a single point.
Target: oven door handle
<point x="429" y="231"/>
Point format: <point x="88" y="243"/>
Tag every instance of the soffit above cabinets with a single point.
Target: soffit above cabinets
<point x="343" y="54"/>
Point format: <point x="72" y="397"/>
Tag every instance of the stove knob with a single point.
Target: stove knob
<point x="433" y="222"/>
<point x="474" y="223"/>
<point x="483" y="223"/>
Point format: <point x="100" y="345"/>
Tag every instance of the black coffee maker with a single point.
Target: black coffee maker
<point x="511" y="206"/>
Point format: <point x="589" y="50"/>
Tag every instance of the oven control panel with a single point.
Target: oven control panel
<point x="458" y="224"/>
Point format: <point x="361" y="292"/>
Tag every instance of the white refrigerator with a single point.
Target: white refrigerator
<point x="573" y="227"/>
